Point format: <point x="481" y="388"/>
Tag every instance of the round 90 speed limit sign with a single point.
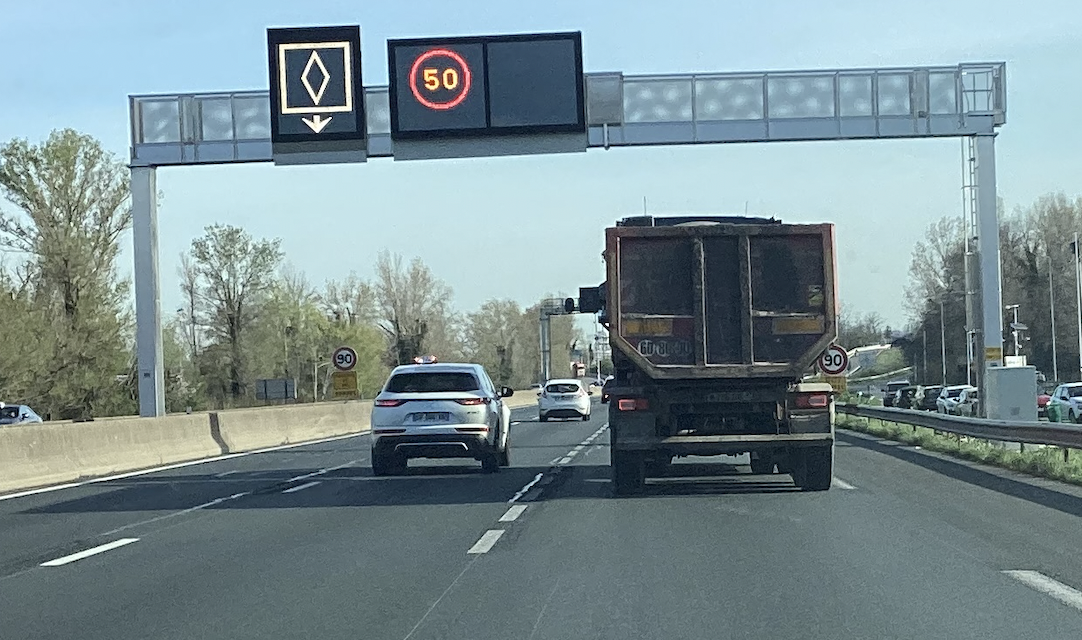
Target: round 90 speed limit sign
<point x="344" y="358"/>
<point x="834" y="361"/>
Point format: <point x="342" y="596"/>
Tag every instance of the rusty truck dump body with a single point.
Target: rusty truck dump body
<point x="721" y="298"/>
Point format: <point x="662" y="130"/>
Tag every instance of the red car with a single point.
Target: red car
<point x="1042" y="404"/>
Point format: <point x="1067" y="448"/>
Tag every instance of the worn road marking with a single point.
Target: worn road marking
<point x="212" y="503"/>
<point x="487" y="541"/>
<point x="1067" y="595"/>
<point x="565" y="460"/>
<point x="322" y="471"/>
<point x="529" y="485"/>
<point x="513" y="513"/>
<point x="179" y="465"/>
<point x="301" y="487"/>
<point x="226" y="473"/>
<point x="89" y="552"/>
<point x="842" y="484"/>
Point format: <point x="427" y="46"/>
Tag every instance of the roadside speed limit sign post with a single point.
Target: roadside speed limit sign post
<point x="834" y="361"/>
<point x="344" y="359"/>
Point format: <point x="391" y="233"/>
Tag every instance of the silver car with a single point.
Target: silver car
<point x="17" y="414"/>
<point x="440" y="410"/>
<point x="563" y="399"/>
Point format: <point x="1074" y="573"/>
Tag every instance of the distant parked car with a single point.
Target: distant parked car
<point x="927" y="396"/>
<point x="967" y="403"/>
<point x="17" y="414"/>
<point x="891" y="390"/>
<point x="905" y="398"/>
<point x="1066" y="403"/>
<point x="1042" y="404"/>
<point x="948" y="398"/>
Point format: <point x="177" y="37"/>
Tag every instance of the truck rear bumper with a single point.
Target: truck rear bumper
<point x="717" y="445"/>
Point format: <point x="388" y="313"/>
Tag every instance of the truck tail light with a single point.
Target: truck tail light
<point x="632" y="404"/>
<point x="812" y="401"/>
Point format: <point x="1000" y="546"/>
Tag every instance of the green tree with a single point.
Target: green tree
<point x="235" y="272"/>
<point x="71" y="197"/>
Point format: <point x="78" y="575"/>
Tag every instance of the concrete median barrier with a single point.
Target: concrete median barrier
<point x="247" y="429"/>
<point x="53" y="453"/>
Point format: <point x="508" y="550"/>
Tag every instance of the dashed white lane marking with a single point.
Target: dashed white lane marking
<point x="322" y="471"/>
<point x="514" y="423"/>
<point x="89" y="552"/>
<point x="487" y="541"/>
<point x="179" y="465"/>
<point x="565" y="460"/>
<point x="212" y="503"/>
<point x="301" y="487"/>
<point x="1067" y="595"/>
<point x="578" y="448"/>
<point x="842" y="484"/>
<point x="529" y="485"/>
<point x="226" y="473"/>
<point x="513" y="513"/>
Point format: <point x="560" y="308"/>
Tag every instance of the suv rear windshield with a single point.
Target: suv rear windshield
<point x="562" y="388"/>
<point x="433" y="382"/>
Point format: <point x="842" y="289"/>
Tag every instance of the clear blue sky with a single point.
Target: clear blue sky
<point x="521" y="227"/>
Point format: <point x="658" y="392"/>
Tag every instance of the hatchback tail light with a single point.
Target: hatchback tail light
<point x="389" y="403"/>
<point x="812" y="401"/>
<point x="471" y="401"/>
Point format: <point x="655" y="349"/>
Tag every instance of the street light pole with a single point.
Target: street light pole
<point x="943" y="341"/>
<point x="924" y="341"/>
<point x="1078" y="309"/>
<point x="1052" y="314"/>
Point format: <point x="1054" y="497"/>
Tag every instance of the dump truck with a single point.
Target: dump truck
<point x="714" y="323"/>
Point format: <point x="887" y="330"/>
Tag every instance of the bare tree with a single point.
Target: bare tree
<point x="415" y="309"/>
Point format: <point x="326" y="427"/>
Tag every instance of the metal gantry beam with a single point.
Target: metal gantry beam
<point x="843" y="104"/>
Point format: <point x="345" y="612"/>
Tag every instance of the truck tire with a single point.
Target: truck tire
<point x="814" y="468"/>
<point x="658" y="465"/>
<point x="628" y="473"/>
<point x="763" y="465"/>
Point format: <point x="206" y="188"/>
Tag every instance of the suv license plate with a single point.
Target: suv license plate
<point x="432" y="416"/>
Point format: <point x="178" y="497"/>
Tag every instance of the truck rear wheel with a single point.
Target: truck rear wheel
<point x="628" y="473"/>
<point x="814" y="468"/>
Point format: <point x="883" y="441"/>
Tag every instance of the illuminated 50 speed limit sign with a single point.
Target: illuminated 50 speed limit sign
<point x="834" y="361"/>
<point x="344" y="358"/>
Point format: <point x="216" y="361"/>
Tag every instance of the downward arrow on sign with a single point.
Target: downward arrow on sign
<point x="317" y="123"/>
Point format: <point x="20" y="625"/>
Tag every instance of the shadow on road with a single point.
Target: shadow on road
<point x="962" y="470"/>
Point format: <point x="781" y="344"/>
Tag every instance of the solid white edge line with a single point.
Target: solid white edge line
<point x="1067" y="595"/>
<point x="89" y="552"/>
<point x="529" y="485"/>
<point x="301" y="486"/>
<point x="842" y="484"/>
<point x="178" y="465"/>
<point x="513" y="513"/>
<point x="487" y="541"/>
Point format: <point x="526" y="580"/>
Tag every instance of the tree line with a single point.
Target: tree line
<point x="1037" y="263"/>
<point x="67" y="324"/>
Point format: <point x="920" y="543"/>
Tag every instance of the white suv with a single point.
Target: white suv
<point x="440" y="411"/>
<point x="563" y="399"/>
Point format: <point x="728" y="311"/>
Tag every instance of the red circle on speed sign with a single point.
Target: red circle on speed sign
<point x="344" y="358"/>
<point x="834" y="361"/>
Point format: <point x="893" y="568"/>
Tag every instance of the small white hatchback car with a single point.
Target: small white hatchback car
<point x="563" y="399"/>
<point x="440" y="410"/>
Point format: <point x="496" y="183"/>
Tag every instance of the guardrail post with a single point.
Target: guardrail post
<point x="1066" y="455"/>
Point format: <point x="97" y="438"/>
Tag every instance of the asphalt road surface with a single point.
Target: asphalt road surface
<point x="304" y="542"/>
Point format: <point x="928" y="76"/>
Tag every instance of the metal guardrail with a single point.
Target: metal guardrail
<point x="1056" y="435"/>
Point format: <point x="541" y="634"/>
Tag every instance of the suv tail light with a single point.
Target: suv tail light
<point x="812" y="400"/>
<point x="389" y="403"/>
<point x="471" y="401"/>
<point x="632" y="404"/>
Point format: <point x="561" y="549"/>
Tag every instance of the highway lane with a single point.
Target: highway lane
<point x="42" y="526"/>
<point x="721" y="554"/>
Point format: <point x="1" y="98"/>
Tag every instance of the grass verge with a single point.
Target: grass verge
<point x="1035" y="460"/>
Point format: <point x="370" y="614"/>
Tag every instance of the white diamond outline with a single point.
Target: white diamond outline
<point x="315" y="95"/>
<point x="283" y="83"/>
